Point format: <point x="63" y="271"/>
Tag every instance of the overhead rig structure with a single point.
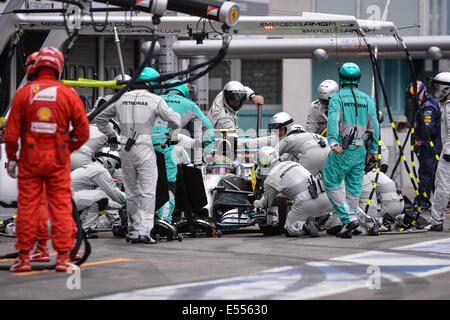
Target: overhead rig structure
<point x="310" y="27"/>
<point x="193" y="37"/>
<point x="307" y="48"/>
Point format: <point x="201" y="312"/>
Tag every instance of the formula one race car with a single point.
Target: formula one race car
<point x="231" y="188"/>
<point x="231" y="204"/>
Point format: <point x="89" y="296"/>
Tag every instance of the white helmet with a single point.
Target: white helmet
<point x="295" y="128"/>
<point x="326" y="88"/>
<point x="280" y="120"/>
<point x="267" y="157"/>
<point x="119" y="77"/>
<point x="109" y="159"/>
<point x="441" y="83"/>
<point x="234" y="91"/>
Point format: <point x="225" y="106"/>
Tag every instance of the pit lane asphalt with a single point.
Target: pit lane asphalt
<point x="119" y="267"/>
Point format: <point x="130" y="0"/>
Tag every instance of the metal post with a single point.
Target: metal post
<point x="167" y="61"/>
<point x="119" y="52"/>
<point x="201" y="96"/>
<point x="101" y="63"/>
<point x="259" y="117"/>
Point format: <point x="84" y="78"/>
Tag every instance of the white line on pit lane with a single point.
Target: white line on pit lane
<point x="280" y="283"/>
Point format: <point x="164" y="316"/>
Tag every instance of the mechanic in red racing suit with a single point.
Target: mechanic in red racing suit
<point x="41" y="113"/>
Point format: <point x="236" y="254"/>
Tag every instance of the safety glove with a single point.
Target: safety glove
<point x="113" y="142"/>
<point x="173" y="139"/>
<point x="12" y="169"/>
<point x="258" y="203"/>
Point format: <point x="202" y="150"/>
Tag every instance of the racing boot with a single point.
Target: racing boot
<point x="143" y="239"/>
<point x="321" y="220"/>
<point x="333" y="231"/>
<point x="347" y="229"/>
<point x="119" y="231"/>
<point x="435" y="227"/>
<point x="40" y="254"/>
<point x="64" y="263"/>
<point x="91" y="234"/>
<point x="310" y="228"/>
<point x="357" y="232"/>
<point x="77" y="256"/>
<point x="22" y="263"/>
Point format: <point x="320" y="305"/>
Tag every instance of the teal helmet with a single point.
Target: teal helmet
<point x="349" y="73"/>
<point x="181" y="89"/>
<point x="149" y="73"/>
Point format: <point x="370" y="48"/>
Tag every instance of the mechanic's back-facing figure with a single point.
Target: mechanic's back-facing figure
<point x="177" y="98"/>
<point x="295" y="183"/>
<point x="352" y="117"/>
<point x="428" y="117"/>
<point x="94" y="190"/>
<point x="224" y="112"/>
<point x="40" y="115"/>
<point x="137" y="111"/>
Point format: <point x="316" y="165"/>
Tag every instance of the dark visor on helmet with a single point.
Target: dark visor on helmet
<point x="278" y="126"/>
<point x="235" y="96"/>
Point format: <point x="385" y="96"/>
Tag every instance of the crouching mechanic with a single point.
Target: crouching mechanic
<point x="309" y="149"/>
<point x="94" y="191"/>
<point x="387" y="199"/>
<point x="87" y="151"/>
<point x="137" y="111"/>
<point x="177" y="98"/>
<point x="41" y="113"/>
<point x="294" y="182"/>
<point x="352" y="120"/>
